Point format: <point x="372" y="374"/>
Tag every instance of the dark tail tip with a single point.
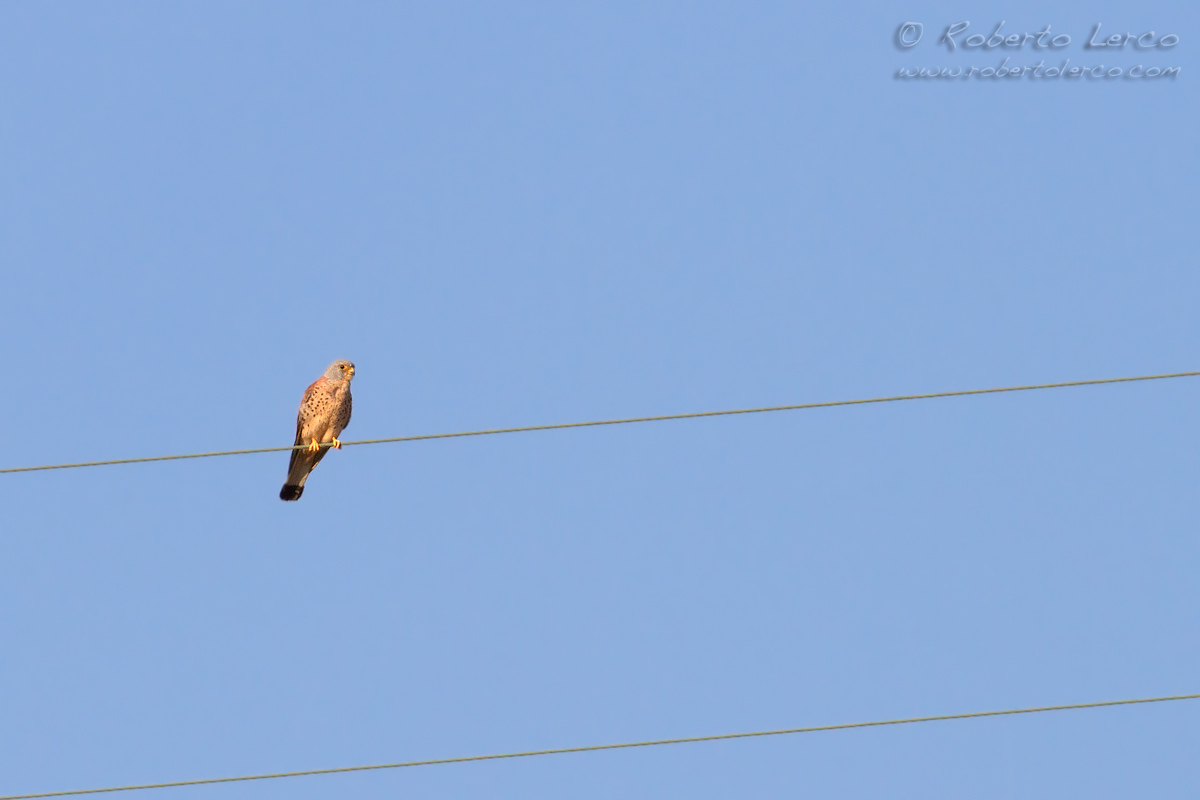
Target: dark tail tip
<point x="290" y="491"/>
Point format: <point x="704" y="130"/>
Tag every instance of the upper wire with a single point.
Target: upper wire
<point x="625" y="421"/>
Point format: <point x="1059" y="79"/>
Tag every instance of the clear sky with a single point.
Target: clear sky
<point x="522" y="213"/>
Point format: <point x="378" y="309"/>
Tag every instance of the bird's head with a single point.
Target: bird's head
<point x="340" y="370"/>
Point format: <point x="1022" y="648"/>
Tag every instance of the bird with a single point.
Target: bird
<point x="324" y="413"/>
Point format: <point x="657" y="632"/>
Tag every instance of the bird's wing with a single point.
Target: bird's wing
<point x="303" y="457"/>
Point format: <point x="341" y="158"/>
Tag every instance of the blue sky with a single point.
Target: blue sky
<point x="524" y="213"/>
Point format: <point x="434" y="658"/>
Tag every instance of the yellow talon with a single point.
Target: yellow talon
<point x="314" y="446"/>
<point x="335" y="444"/>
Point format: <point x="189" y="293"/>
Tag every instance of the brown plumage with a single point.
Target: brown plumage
<point x="324" y="413"/>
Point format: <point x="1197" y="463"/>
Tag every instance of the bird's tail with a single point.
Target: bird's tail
<point x="302" y="463"/>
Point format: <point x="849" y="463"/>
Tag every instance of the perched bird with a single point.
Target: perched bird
<point x="324" y="413"/>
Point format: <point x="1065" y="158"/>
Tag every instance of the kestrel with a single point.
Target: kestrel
<point x="324" y="413"/>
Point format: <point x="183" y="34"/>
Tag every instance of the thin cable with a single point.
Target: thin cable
<point x="590" y="748"/>
<point x="626" y="421"/>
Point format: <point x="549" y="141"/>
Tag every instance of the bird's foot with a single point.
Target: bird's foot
<point x="335" y="444"/>
<point x="314" y="446"/>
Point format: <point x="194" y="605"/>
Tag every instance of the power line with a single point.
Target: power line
<point x="626" y="421"/>
<point x="590" y="748"/>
